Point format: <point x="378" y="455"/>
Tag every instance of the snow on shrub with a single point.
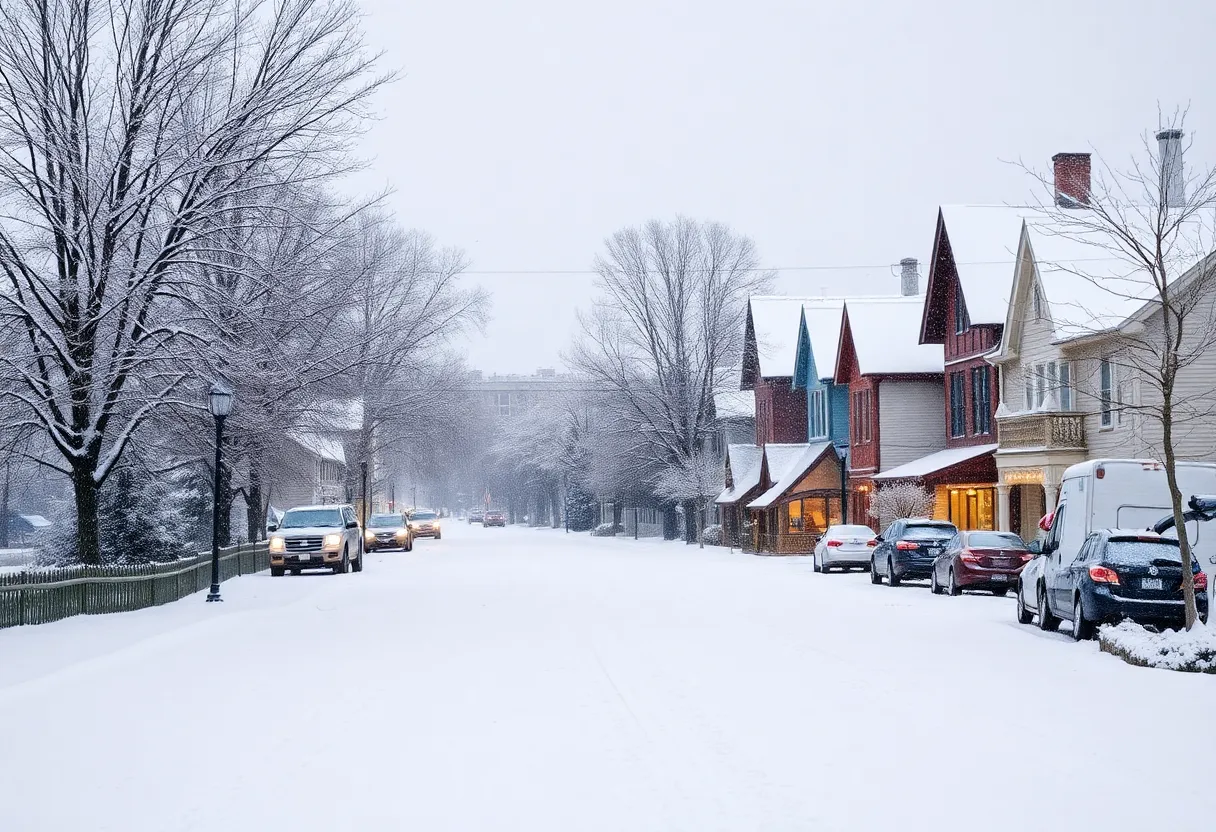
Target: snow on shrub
<point x="901" y="499"/>
<point x="1191" y="651"/>
<point x="606" y="530"/>
<point x="712" y="535"/>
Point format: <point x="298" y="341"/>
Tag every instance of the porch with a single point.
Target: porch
<point x="1033" y="451"/>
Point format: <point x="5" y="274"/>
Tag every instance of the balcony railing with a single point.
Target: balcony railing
<point x="1042" y="430"/>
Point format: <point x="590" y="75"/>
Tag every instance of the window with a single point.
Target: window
<point x="981" y="399"/>
<point x="1029" y="389"/>
<point x="1046" y="378"/>
<point x="861" y="419"/>
<point x="961" y="322"/>
<point x="504" y="404"/>
<point x="1064" y="384"/>
<point x="795" y="516"/>
<point x="1038" y="303"/>
<point x="819" y="412"/>
<point x="1106" y="389"/>
<point x="958" y="405"/>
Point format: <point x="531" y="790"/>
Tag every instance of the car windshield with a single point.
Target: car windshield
<point x="424" y="515"/>
<point x="850" y="531"/>
<point x="384" y="521"/>
<point x="312" y="518"/>
<point x="1140" y="552"/>
<point x="995" y="540"/>
<point x="928" y="532"/>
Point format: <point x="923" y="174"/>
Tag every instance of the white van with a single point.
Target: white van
<point x="1126" y="494"/>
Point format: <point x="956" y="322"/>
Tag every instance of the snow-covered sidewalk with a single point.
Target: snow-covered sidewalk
<point x="522" y="679"/>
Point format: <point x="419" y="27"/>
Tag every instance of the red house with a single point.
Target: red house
<point x="769" y="353"/>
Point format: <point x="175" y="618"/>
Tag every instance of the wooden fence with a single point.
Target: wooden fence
<point x="40" y="596"/>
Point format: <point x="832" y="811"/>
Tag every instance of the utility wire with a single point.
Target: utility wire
<point x="767" y="268"/>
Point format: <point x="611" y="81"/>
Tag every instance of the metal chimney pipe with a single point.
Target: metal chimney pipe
<point x="909" y="279"/>
<point x="1169" y="151"/>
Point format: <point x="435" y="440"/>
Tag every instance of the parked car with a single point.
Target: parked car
<point x="388" y="531"/>
<point x="844" y="547"/>
<point x="979" y="560"/>
<point x="424" y="523"/>
<point x="494" y="517"/>
<point x="316" y="537"/>
<point x="476" y="516"/>
<point x="1118" y="574"/>
<point x="907" y="549"/>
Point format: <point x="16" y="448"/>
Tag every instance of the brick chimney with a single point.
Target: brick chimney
<point x="1071" y="179"/>
<point x="909" y="280"/>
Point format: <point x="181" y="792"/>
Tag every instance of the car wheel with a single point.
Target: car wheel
<point x="1025" y="616"/>
<point x="276" y="571"/>
<point x="815" y="567"/>
<point x="438" y="536"/>
<point x="892" y="578"/>
<point x="1000" y="591"/>
<point x="952" y="585"/>
<point x="341" y="566"/>
<point x="295" y="572"/>
<point x="875" y="578"/>
<point x="934" y="586"/>
<point x="1082" y="628"/>
<point x="1047" y="621"/>
<point x="357" y="566"/>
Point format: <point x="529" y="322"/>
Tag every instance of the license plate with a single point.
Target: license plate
<point x="304" y="556"/>
<point x="1151" y="583"/>
<point x="1000" y="576"/>
<point x="935" y="550"/>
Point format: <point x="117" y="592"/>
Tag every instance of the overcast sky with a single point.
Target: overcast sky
<point x="527" y="131"/>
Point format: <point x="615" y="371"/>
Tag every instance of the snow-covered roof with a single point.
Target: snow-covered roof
<point x="823" y="328"/>
<point x="322" y="446"/>
<point x="786" y="465"/>
<point x="36" y="521"/>
<point x="934" y="462"/>
<point x="886" y="336"/>
<point x="1088" y="288"/>
<point x="735" y="404"/>
<point x="744" y="471"/>
<point x="775" y="319"/>
<point x="984" y="241"/>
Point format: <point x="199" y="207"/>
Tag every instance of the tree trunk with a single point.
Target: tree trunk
<point x="8" y="469"/>
<point x="555" y="507"/>
<point x="254" y="522"/>
<point x="690" y="521"/>
<point x="669" y="523"/>
<point x="87" y="493"/>
<point x="700" y="528"/>
<point x="1171" y="475"/>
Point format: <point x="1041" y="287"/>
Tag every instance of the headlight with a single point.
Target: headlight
<point x="333" y="541"/>
<point x="403" y="532"/>
<point x="436" y="527"/>
<point x="367" y="536"/>
<point x="278" y="544"/>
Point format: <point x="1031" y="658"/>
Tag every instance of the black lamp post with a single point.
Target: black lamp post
<point x="219" y="402"/>
<point x="843" y="452"/>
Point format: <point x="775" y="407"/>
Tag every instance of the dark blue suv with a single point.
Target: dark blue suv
<point x="1116" y="575"/>
<point x="907" y="549"/>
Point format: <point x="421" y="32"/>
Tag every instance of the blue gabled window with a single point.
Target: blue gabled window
<point x="819" y="412"/>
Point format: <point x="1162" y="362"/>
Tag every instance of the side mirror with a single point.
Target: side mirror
<point x="273" y="527"/>
<point x="353" y="524"/>
<point x="1035" y="547"/>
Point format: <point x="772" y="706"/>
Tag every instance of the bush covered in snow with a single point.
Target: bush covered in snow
<point x="901" y="499"/>
<point x="606" y="530"/>
<point x="581" y="509"/>
<point x="1191" y="651"/>
<point x="712" y="535"/>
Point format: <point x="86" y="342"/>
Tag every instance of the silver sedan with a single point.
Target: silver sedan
<point x="844" y="547"/>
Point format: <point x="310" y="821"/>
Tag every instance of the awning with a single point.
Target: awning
<point x="931" y="464"/>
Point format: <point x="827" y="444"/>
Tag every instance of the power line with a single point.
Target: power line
<point x="850" y="266"/>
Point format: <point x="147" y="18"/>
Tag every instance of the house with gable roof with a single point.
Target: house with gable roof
<point x="894" y="382"/>
<point x="769" y="354"/>
<point x="964" y="311"/>
<point x="827" y="403"/>
<point x="1068" y="390"/>
<point x="799" y="497"/>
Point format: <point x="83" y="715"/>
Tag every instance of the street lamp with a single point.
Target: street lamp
<point x="219" y="402"/>
<point x="842" y="451"/>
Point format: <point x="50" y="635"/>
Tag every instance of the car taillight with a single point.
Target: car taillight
<point x="906" y="545"/>
<point x="971" y="557"/>
<point x="834" y="543"/>
<point x="872" y="542"/>
<point x="1026" y="558"/>
<point x="1201" y="581"/>
<point x="1103" y="575"/>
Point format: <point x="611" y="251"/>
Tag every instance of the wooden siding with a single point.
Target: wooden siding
<point x="910" y="421"/>
<point x="780" y="412"/>
<point x="864" y="456"/>
<point x="970" y="437"/>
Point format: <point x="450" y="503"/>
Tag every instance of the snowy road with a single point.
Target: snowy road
<point x="525" y="680"/>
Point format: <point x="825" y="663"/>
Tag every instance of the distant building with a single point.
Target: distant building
<point x="508" y="396"/>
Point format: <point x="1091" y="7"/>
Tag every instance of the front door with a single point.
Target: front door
<point x="1059" y="584"/>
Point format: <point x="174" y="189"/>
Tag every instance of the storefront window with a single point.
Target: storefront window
<point x="816" y="513"/>
<point x="972" y="508"/>
<point x="796" y="516"/>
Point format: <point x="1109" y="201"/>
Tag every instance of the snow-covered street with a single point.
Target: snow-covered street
<point x="521" y="679"/>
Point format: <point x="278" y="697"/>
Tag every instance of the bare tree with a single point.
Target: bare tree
<point x="1140" y="248"/>
<point x="900" y="499"/>
<point x="665" y="329"/>
<point x="127" y="132"/>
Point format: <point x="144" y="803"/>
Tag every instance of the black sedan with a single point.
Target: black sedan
<point x="907" y="549"/>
